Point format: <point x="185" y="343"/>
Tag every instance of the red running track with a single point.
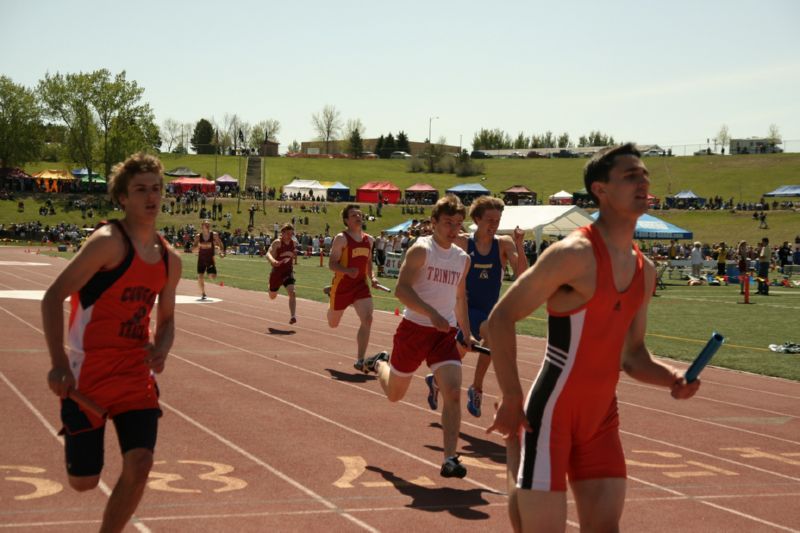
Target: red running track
<point x="276" y="432"/>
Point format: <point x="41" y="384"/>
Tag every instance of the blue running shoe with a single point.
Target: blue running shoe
<point x="474" y="400"/>
<point x="433" y="391"/>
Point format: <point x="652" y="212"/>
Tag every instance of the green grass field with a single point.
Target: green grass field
<point x="680" y="322"/>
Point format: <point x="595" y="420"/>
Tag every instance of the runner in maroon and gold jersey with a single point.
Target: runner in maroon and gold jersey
<point x="204" y="243"/>
<point x="113" y="282"/>
<point x="351" y="262"/>
<point x="281" y="256"/>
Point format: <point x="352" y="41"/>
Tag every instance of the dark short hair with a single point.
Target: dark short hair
<point x="347" y="209"/>
<point x="449" y="205"/>
<point x="485" y="203"/>
<point x="600" y="164"/>
<point x="287" y="227"/>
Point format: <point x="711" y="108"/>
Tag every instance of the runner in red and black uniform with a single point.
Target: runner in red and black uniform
<point x="596" y="285"/>
<point x="351" y="262"/>
<point x="281" y="256"/>
<point x="113" y="283"/>
<point x="204" y="243"/>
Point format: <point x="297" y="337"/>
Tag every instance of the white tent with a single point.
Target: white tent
<point x="542" y="220"/>
<point x="304" y="186"/>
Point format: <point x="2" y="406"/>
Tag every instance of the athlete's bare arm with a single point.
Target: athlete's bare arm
<point x="334" y="263"/>
<point x="560" y="276"/>
<point x="513" y="252"/>
<point x="638" y="362"/>
<point x="218" y="243"/>
<point x="165" y="319"/>
<point x="196" y="242"/>
<point x="103" y="250"/>
<point x="462" y="312"/>
<point x="410" y="270"/>
<point x="373" y="280"/>
<point x="273" y="252"/>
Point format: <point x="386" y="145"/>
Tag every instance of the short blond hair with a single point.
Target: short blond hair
<point x="485" y="203"/>
<point x="121" y="174"/>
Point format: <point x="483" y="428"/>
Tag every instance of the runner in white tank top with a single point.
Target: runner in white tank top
<point x="432" y="287"/>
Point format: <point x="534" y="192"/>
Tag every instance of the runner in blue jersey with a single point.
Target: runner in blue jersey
<point x="489" y="254"/>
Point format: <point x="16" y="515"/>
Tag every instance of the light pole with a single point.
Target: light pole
<point x="430" y="120"/>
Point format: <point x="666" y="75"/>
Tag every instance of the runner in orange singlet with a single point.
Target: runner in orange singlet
<point x="351" y="262"/>
<point x="597" y="285"/>
<point x="113" y="282"/>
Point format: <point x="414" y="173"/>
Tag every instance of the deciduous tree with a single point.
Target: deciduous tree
<point x="21" y="130"/>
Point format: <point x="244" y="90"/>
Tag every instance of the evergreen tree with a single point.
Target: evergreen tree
<point x="379" y="145"/>
<point x="388" y="147"/>
<point x="203" y="136"/>
<point x="402" y="142"/>
<point x="356" y="143"/>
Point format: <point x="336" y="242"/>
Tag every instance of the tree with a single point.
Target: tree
<point x="327" y="124"/>
<point x="294" y="147"/>
<point x="774" y="134"/>
<point x="387" y="147"/>
<point x="65" y="98"/>
<point x="494" y="139"/>
<point x="202" y="137"/>
<point x="723" y="136"/>
<point x="563" y="140"/>
<point x="521" y="141"/>
<point x="402" y="142"/>
<point x="356" y="144"/>
<point x="379" y="145"/>
<point x="354" y="124"/>
<point x="21" y="130"/>
<point x="170" y="132"/>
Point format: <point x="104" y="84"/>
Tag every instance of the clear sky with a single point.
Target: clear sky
<point x="652" y="72"/>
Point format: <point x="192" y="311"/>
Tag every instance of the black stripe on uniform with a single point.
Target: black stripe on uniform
<point x="542" y="390"/>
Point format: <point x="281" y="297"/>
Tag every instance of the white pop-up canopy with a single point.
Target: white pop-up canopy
<point x="542" y="220"/>
<point x="312" y="187"/>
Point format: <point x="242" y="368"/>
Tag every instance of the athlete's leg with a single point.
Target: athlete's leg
<point x="201" y="282"/>
<point x="273" y="294"/>
<point x="448" y="378"/>
<point x="394" y="385"/>
<point x="334" y="317"/>
<point x="481" y="368"/>
<point x="292" y="300"/>
<point x="599" y="503"/>
<point x="129" y="489"/>
<point x="541" y="511"/>
<point x="512" y="468"/>
<point x="363" y="308"/>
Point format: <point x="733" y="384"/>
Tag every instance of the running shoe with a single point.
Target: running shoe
<point x="203" y="297"/>
<point x="359" y="365"/>
<point x="370" y="363"/>
<point x="474" y="400"/>
<point x="293" y="320"/>
<point x="433" y="391"/>
<point x="452" y="467"/>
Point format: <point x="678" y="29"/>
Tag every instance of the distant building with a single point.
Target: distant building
<point x="755" y="145"/>
<point x="268" y="149"/>
<point x="340" y="147"/>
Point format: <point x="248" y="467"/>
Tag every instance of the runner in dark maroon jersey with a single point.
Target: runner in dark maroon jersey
<point x="204" y="243"/>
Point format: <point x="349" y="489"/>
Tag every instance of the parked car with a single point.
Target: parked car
<point x="533" y="154"/>
<point x="565" y="153"/>
<point x="368" y="155"/>
<point x="704" y="151"/>
<point x="516" y="155"/>
<point x="400" y="155"/>
<point x="480" y="154"/>
<point x="653" y="153"/>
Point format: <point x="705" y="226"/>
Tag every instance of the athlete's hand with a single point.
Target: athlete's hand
<point x="440" y="323"/>
<point x="155" y="359"/>
<point x="519" y="235"/>
<point x="509" y="417"/>
<point x="61" y="381"/>
<point x="681" y="390"/>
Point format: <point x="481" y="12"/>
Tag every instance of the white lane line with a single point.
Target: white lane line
<point x="700" y="500"/>
<point x="322" y="417"/>
<point x="52" y="430"/>
<point x="296" y="484"/>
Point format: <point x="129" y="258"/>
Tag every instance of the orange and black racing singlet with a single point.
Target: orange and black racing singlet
<point x="109" y="326"/>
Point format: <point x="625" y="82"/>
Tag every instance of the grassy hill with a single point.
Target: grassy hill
<point x="743" y="177"/>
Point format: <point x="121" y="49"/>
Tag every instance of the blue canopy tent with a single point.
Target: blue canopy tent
<point x="468" y="192"/>
<point x="403" y="226"/>
<point x="337" y="192"/>
<point x="785" y="191"/>
<point x="650" y="227"/>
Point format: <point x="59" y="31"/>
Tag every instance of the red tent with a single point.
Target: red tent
<point x="182" y="185"/>
<point x="422" y="193"/>
<point x="369" y="192"/>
